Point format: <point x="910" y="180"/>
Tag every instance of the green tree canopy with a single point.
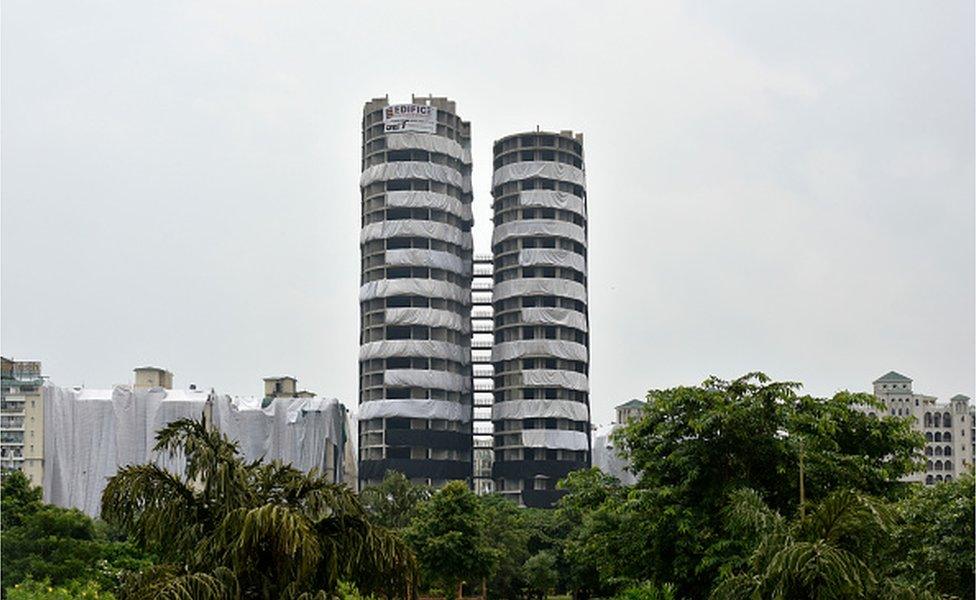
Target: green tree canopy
<point x="448" y="535"/>
<point x="56" y="545"/>
<point x="695" y="446"/>
<point x="226" y="528"/>
<point x="394" y="501"/>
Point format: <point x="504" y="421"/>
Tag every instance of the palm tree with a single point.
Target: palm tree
<point x="225" y="528"/>
<point x="827" y="554"/>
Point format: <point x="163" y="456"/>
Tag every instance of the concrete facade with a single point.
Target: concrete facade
<point x="152" y="377"/>
<point x="415" y="386"/>
<point x="22" y="419"/>
<point x="948" y="427"/>
<point x="541" y="324"/>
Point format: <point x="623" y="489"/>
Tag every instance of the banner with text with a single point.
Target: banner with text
<point x="410" y="117"/>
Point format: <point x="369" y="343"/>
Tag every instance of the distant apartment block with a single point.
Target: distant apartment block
<point x="606" y="454"/>
<point x="22" y="419"/>
<point x="948" y="427"/>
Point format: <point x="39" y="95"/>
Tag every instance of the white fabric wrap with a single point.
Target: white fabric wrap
<point x="553" y="199"/>
<point x="554" y="316"/>
<point x="538" y="168"/>
<point x="531" y="409"/>
<point x="404" y="348"/>
<point x="549" y="348"/>
<point x="412" y="140"/>
<point x="431" y="288"/>
<point x="410" y="228"/>
<point x="90" y="434"/>
<point x="551" y="257"/>
<point x="415" y="409"/>
<point x="571" y="380"/>
<point x="431" y="317"/>
<point x="538" y="227"/>
<point x="411" y="170"/>
<point x="536" y="286"/>
<point x="440" y="380"/>
<point x="555" y="439"/>
<point x="435" y="200"/>
<point x="420" y="257"/>
<point x="606" y="457"/>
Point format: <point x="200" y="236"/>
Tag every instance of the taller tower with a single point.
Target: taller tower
<point x="415" y="399"/>
<point x="541" y="412"/>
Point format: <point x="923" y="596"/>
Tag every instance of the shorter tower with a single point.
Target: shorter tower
<point x="541" y="412"/>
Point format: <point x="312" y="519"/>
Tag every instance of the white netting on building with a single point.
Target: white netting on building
<point x="89" y="434"/>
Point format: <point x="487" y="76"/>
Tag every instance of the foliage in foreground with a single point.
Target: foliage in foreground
<point x="230" y="529"/>
<point x="56" y="545"/>
<point x="30" y="589"/>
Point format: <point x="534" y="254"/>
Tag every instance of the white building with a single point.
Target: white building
<point x="948" y="427"/>
<point x="22" y="419"/>
<point x="605" y="454"/>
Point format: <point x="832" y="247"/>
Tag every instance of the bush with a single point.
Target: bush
<point x="647" y="591"/>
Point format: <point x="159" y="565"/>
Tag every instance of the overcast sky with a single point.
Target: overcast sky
<point x="786" y="187"/>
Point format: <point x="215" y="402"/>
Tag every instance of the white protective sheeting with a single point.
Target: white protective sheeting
<point x="421" y="257"/>
<point x="410" y="228"/>
<point x="534" y="409"/>
<point x="537" y="286"/>
<point x="431" y="317"/>
<point x="435" y="200"/>
<point x="405" y="348"/>
<point x="538" y="227"/>
<point x="438" y="380"/>
<point x="538" y="168"/>
<point x="90" y="434"/>
<point x="607" y="459"/>
<point x="411" y="170"/>
<point x="551" y="257"/>
<point x="425" y="141"/>
<point x="553" y="199"/>
<point x="555" y="439"/>
<point x="556" y="378"/>
<point x="552" y="348"/>
<point x="554" y="316"/>
<point x="431" y="288"/>
<point x="415" y="409"/>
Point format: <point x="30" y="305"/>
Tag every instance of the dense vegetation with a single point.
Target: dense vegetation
<point x="720" y="510"/>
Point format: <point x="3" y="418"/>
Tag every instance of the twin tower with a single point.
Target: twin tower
<point x="471" y="368"/>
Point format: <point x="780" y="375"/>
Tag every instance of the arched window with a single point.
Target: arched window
<point x="938" y="465"/>
<point x="947" y="437"/>
<point x="928" y="419"/>
<point x="929" y="480"/>
<point x="928" y="436"/>
<point x="947" y="451"/>
<point x="946" y="420"/>
<point x="928" y="465"/>
<point x="938" y="450"/>
<point x="937" y="420"/>
<point x="948" y="478"/>
<point x="899" y="412"/>
<point x="928" y="451"/>
<point x="938" y="478"/>
<point x="892" y="412"/>
<point x="938" y="436"/>
<point x="872" y="415"/>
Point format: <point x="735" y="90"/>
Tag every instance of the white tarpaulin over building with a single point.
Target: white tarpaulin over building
<point x="89" y="434"/>
<point x="605" y="455"/>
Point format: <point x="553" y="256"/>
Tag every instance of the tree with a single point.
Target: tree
<point x="19" y="499"/>
<point x="54" y="544"/>
<point x="507" y="531"/>
<point x="540" y="573"/>
<point x="448" y="536"/>
<point x="45" y="590"/>
<point x="936" y="542"/>
<point x="695" y="446"/>
<point x="226" y="528"/>
<point x="394" y="501"/>
<point x="836" y="551"/>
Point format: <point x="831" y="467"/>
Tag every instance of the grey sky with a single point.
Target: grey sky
<point x="786" y="187"/>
